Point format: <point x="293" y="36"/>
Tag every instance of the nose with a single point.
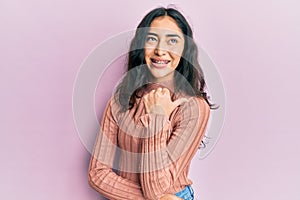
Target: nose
<point x="160" y="50"/>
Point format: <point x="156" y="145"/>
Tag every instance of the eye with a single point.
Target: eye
<point x="151" y="39"/>
<point x="173" y="41"/>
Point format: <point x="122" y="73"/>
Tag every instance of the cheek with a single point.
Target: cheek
<point x="177" y="50"/>
<point x="175" y="60"/>
<point x="148" y="52"/>
<point x="176" y="54"/>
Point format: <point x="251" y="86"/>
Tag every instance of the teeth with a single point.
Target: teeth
<point x="160" y="61"/>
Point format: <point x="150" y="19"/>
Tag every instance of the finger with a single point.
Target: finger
<point x="159" y="91"/>
<point x="151" y="93"/>
<point x="146" y="102"/>
<point x="165" y="91"/>
<point x="151" y="96"/>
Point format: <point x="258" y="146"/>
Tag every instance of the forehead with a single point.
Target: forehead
<point x="164" y="24"/>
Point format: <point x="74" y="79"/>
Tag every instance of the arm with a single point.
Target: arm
<point x="101" y="176"/>
<point x="167" y="152"/>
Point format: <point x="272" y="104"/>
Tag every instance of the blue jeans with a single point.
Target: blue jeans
<point x="187" y="193"/>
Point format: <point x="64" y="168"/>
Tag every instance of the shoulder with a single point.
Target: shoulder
<point x="197" y="103"/>
<point x="202" y="104"/>
<point x="195" y="107"/>
<point x="112" y="108"/>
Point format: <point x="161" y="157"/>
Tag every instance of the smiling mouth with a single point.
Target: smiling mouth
<point x="159" y="63"/>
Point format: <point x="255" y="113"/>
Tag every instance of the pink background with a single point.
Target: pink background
<point x="255" y="45"/>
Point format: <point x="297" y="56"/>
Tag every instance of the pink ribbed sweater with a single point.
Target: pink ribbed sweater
<point x="153" y="152"/>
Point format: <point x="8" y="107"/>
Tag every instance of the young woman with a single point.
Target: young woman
<point x="155" y="122"/>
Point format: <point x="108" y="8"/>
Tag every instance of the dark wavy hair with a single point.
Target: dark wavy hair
<point x="136" y="78"/>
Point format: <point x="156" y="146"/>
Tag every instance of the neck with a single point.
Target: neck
<point x="167" y="83"/>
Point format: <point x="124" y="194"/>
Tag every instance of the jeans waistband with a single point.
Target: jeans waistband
<point x="187" y="193"/>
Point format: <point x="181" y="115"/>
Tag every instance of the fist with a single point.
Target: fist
<point x="159" y="102"/>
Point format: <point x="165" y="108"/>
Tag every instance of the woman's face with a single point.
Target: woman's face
<point x="163" y="48"/>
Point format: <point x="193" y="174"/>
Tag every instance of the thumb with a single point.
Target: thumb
<point x="180" y="101"/>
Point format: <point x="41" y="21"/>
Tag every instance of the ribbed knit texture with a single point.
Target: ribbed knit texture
<point x="151" y="152"/>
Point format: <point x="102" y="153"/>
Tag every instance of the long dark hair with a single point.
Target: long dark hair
<point x="189" y="70"/>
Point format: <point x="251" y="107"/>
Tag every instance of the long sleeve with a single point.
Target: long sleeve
<point x="101" y="176"/>
<point x="167" y="150"/>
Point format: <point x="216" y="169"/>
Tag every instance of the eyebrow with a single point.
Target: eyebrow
<point x="168" y="35"/>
